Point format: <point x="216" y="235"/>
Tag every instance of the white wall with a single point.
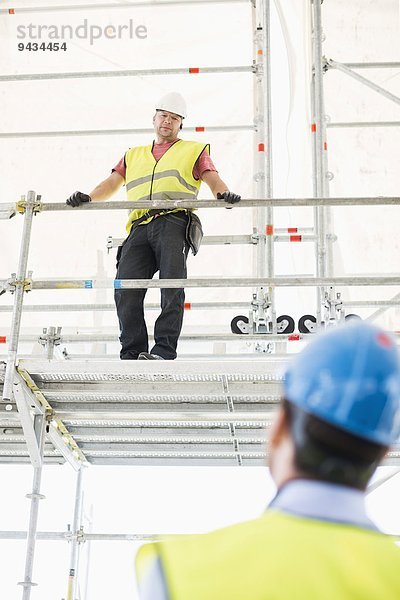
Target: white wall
<point x="364" y="162"/>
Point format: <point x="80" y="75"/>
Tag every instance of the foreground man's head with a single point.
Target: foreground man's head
<point x="341" y="408"/>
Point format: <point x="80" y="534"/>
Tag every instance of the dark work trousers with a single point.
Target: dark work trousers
<point x="158" y="246"/>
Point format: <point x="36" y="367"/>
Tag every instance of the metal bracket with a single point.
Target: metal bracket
<point x="257" y="68"/>
<point x="259" y="177"/>
<point x="109" y="244"/>
<point x="21" y="206"/>
<point x="264" y="347"/>
<point x="56" y="431"/>
<point x="325" y="64"/>
<point x="5" y="287"/>
<point x="260" y="307"/>
<point x="11" y="283"/>
<point x="7" y="211"/>
<point x="65" y="443"/>
<point x="32" y="424"/>
<point x="51" y="337"/>
<point x="333" y="307"/>
<point x="80" y="536"/>
<point x="331" y="237"/>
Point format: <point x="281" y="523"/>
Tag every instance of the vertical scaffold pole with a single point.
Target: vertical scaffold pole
<point x="318" y="128"/>
<point x="20" y="285"/>
<point x="75" y="542"/>
<point x="269" y="169"/>
<point x="263" y="142"/>
<point x="35" y="498"/>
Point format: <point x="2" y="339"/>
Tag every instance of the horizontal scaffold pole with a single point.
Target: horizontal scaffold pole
<point x="372" y="65"/>
<point x="211" y="282"/>
<point x="361" y="124"/>
<point x="112" y="5"/>
<point x="188" y="306"/>
<point x="137" y="131"/>
<point x="126" y="73"/>
<point x="244" y="203"/>
<point x="83" y="338"/>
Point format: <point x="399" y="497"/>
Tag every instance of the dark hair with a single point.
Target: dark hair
<point x="326" y="452"/>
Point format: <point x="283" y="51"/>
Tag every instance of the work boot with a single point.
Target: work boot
<point x="149" y="356"/>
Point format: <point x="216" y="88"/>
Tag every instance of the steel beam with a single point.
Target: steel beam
<point x="32" y="424"/>
<point x="113" y="5"/>
<point x="212" y="282"/>
<point x="123" y="73"/>
<point x="35" y="498"/>
<point x="75" y="540"/>
<point x="373" y="86"/>
<point x="20" y="286"/>
<point x="90" y="132"/>
<point x="360" y="124"/>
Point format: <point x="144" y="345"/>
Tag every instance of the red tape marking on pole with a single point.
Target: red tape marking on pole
<point x="194" y="70"/>
<point x="269" y="230"/>
<point x="200" y="128"/>
<point x="313" y="127"/>
<point x="11" y="11"/>
<point x="3" y="339"/>
<point x="292" y="230"/>
<point x="261" y="147"/>
<point x="295" y="238"/>
<point x="187" y="305"/>
<point x="294" y="337"/>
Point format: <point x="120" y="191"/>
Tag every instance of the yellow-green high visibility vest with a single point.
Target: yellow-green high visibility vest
<point x="279" y="557"/>
<point x="169" y="178"/>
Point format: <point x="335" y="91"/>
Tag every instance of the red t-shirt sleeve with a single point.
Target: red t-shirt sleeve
<point x="202" y="164"/>
<point x="120" y="167"/>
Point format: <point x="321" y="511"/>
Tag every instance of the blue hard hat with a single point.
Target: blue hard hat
<point x="350" y="378"/>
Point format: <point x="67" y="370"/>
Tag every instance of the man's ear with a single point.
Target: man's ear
<point x="181" y="126"/>
<point x="279" y="428"/>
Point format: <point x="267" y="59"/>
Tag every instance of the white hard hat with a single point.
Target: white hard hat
<point x="173" y="102"/>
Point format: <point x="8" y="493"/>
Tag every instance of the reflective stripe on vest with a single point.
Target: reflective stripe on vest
<point x="169" y="178"/>
<point x="279" y="557"/>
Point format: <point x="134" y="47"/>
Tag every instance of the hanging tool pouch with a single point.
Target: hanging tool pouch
<point x="194" y="232"/>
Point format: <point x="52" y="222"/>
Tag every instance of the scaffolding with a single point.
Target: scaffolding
<point x="213" y="412"/>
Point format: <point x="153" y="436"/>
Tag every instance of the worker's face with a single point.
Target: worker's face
<point x="166" y="125"/>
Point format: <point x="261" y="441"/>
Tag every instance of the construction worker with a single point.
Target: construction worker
<point x="339" y="415"/>
<point x="158" y="240"/>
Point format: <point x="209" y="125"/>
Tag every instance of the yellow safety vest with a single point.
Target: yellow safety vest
<point x="169" y="178"/>
<point x="279" y="557"/>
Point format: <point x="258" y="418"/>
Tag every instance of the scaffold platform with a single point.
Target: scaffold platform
<point x="209" y="413"/>
<point x="151" y="413"/>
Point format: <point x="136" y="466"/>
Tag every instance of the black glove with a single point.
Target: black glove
<point x="77" y="199"/>
<point x="229" y="197"/>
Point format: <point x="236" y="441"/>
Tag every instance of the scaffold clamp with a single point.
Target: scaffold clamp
<point x="325" y="64"/>
<point x="80" y="536"/>
<point x="22" y="205"/>
<point x="12" y="283"/>
<point x="110" y="245"/>
<point x="51" y="337"/>
<point x="257" y="68"/>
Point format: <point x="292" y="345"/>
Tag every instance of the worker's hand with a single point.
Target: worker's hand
<point x="229" y="197"/>
<point x="77" y="199"/>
